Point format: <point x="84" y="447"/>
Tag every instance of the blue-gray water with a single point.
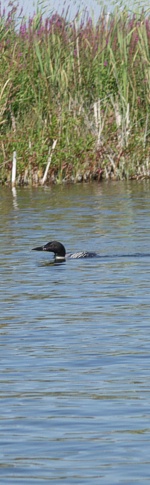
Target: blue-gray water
<point x="75" y="337"/>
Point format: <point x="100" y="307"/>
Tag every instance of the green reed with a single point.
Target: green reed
<point x="81" y="83"/>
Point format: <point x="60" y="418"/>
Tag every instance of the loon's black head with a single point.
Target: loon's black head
<point x="53" y="247"/>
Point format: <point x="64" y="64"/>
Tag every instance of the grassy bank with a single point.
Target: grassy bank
<point x="84" y="84"/>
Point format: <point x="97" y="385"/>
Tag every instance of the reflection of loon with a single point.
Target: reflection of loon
<point x="60" y="253"/>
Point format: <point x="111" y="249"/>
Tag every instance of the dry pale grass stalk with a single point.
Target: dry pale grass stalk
<point x="99" y="122"/>
<point x="50" y="153"/>
<point x="12" y="119"/>
<point x="145" y="131"/>
<point x="3" y="101"/>
<point x="122" y="111"/>
<point x="14" y="168"/>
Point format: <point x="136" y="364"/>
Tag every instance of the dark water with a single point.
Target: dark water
<point x="75" y="337"/>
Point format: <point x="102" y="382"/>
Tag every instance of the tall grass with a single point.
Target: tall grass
<point x="85" y="84"/>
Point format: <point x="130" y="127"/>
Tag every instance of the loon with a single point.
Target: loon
<point x="60" y="253"/>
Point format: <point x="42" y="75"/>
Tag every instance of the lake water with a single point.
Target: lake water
<point x="75" y="337"/>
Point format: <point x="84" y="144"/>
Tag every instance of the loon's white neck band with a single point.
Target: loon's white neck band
<point x="60" y="258"/>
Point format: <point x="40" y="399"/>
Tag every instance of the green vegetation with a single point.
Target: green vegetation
<point x="84" y="84"/>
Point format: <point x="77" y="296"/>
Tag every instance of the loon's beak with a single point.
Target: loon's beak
<point x="39" y="248"/>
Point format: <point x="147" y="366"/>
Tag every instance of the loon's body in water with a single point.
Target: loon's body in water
<point x="60" y="253"/>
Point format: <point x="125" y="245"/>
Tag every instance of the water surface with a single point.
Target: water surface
<point x="75" y="337"/>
